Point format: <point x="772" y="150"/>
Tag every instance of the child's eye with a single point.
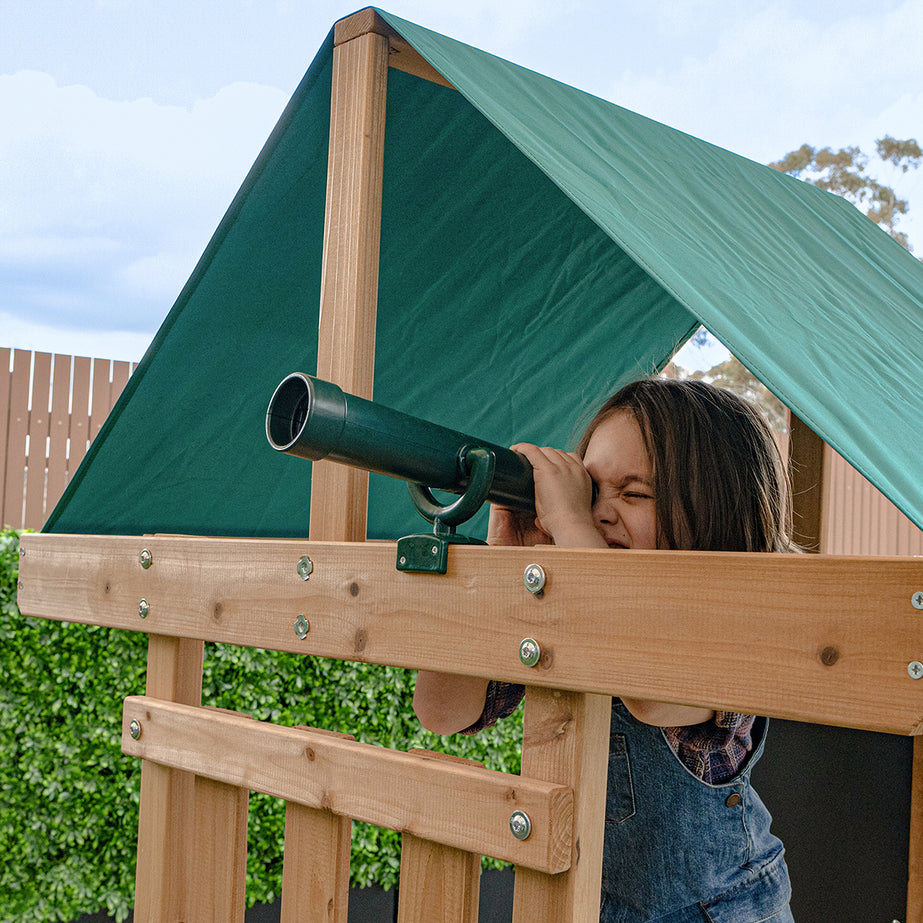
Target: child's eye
<point x="595" y="493"/>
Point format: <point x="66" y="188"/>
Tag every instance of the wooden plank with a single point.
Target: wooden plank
<point x="38" y="441"/>
<point x="460" y="806"/>
<point x="806" y="467"/>
<point x="165" y="879"/>
<point x="401" y="55"/>
<point x="566" y="740"/>
<point x="824" y="638"/>
<point x="315" y="868"/>
<point x="6" y="382"/>
<point x="349" y="273"/>
<point x="101" y="396"/>
<point x="915" y="857"/>
<point x="59" y="426"/>
<point x="17" y="430"/>
<point x="315" y="873"/>
<point x="80" y="413"/>
<point x="439" y="884"/>
<point x="220" y="852"/>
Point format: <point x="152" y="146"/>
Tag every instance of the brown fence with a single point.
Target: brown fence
<point x="51" y="408"/>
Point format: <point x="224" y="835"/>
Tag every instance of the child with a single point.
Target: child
<point x="663" y="464"/>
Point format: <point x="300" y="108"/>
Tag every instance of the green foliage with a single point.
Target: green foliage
<point x="69" y="797"/>
<point x="845" y="172"/>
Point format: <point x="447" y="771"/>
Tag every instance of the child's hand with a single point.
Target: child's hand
<point x="563" y="497"/>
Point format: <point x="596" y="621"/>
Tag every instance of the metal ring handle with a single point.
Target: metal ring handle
<point x="481" y="464"/>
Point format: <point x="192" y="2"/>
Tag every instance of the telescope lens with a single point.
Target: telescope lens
<point x="288" y="412"/>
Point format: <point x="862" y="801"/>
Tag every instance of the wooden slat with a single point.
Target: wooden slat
<point x="38" y="441"/>
<point x="17" y="430"/>
<point x="101" y="396"/>
<point x="402" y="55"/>
<point x="59" y="425"/>
<point x="165" y="877"/>
<point x="219" y="852"/>
<point x="349" y="274"/>
<point x="439" y="884"/>
<point x="6" y="464"/>
<point x="315" y="873"/>
<point x="566" y="740"/>
<point x="80" y="412"/>
<point x="807" y="637"/>
<point x="460" y="806"/>
<point x="915" y="857"/>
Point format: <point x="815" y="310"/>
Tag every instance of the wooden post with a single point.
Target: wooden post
<point x="806" y="466"/>
<point x="165" y="878"/>
<point x="349" y="284"/>
<point x="566" y="740"/>
<point x="915" y="857"/>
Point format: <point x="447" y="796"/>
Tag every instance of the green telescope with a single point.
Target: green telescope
<point x="315" y="419"/>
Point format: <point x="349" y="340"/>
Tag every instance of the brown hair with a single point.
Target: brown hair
<point x="719" y="480"/>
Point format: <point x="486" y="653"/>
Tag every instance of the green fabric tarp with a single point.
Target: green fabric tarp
<point x="539" y="247"/>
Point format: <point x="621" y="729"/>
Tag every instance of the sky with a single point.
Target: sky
<point x="127" y="126"/>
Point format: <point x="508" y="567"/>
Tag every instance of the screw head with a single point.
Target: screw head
<point x="529" y="652"/>
<point x="145" y="558"/>
<point x="134" y="728"/>
<point x="520" y="825"/>
<point x="144" y="607"/>
<point x="305" y="567"/>
<point x="534" y="578"/>
<point x="302" y="627"/>
<point x="917" y="600"/>
<point x="915" y="669"/>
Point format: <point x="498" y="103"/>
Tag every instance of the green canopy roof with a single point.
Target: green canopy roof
<point x="539" y="247"/>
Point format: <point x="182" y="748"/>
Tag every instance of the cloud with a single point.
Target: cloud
<point x="109" y="204"/>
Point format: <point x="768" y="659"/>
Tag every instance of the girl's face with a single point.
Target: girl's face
<point x="623" y="505"/>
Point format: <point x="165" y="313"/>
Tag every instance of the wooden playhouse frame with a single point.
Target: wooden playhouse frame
<point x="826" y="639"/>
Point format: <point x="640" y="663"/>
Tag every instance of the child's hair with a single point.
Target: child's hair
<point x="719" y="480"/>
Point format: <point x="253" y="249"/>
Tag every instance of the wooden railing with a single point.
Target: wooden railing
<point x="51" y="408"/>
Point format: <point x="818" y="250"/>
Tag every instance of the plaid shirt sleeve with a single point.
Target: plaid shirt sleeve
<point x="716" y="749"/>
<point x="501" y="702"/>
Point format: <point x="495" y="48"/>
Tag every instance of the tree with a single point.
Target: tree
<point x="845" y="172"/>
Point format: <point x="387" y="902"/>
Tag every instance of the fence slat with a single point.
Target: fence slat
<point x="101" y="398"/>
<point x="38" y="439"/>
<point x="18" y="428"/>
<point x="58" y="429"/>
<point x="80" y="412"/>
<point x="6" y="463"/>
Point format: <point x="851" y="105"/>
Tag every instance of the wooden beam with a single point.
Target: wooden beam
<point x="823" y="638"/>
<point x="806" y="469"/>
<point x="349" y="273"/>
<point x="462" y="806"/>
<point x="566" y="740"/>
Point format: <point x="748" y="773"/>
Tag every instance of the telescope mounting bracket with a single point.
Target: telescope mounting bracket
<point x="429" y="553"/>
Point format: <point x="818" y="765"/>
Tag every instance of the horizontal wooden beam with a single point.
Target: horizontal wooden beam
<point x="456" y="804"/>
<point x="816" y="638"/>
<point x="401" y="55"/>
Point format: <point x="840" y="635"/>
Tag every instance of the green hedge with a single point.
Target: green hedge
<point x="69" y="797"/>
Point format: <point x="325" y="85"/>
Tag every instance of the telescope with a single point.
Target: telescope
<point x="315" y="419"/>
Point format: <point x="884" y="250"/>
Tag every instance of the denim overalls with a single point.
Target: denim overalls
<point x="674" y="842"/>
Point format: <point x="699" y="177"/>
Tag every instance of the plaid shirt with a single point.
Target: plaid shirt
<point x="712" y="751"/>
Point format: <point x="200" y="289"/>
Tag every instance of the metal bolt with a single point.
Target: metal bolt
<point x="145" y="558"/>
<point x="534" y="578"/>
<point x="520" y="825"/>
<point x="134" y="728"/>
<point x="529" y="652"/>
<point x="434" y="549"/>
<point x="305" y="567"/>
<point x="302" y="627"/>
<point x="917" y="600"/>
<point x="144" y="607"/>
<point x="403" y="560"/>
<point x="915" y="669"/>
<point x="22" y="551"/>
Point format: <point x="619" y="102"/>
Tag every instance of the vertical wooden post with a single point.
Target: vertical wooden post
<point x="349" y="284"/>
<point x="165" y="878"/>
<point x="806" y="465"/>
<point x="915" y="856"/>
<point x="566" y="740"/>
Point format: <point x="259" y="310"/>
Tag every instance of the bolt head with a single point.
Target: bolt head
<point x="529" y="652"/>
<point x="915" y="669"/>
<point x="520" y="825"/>
<point x="144" y="607"/>
<point x="917" y="600"/>
<point x="145" y="558"/>
<point x="134" y="728"/>
<point x="305" y="567"/>
<point x="534" y="578"/>
<point x="302" y="627"/>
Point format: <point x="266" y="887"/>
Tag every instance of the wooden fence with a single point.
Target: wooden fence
<point x="51" y="408"/>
